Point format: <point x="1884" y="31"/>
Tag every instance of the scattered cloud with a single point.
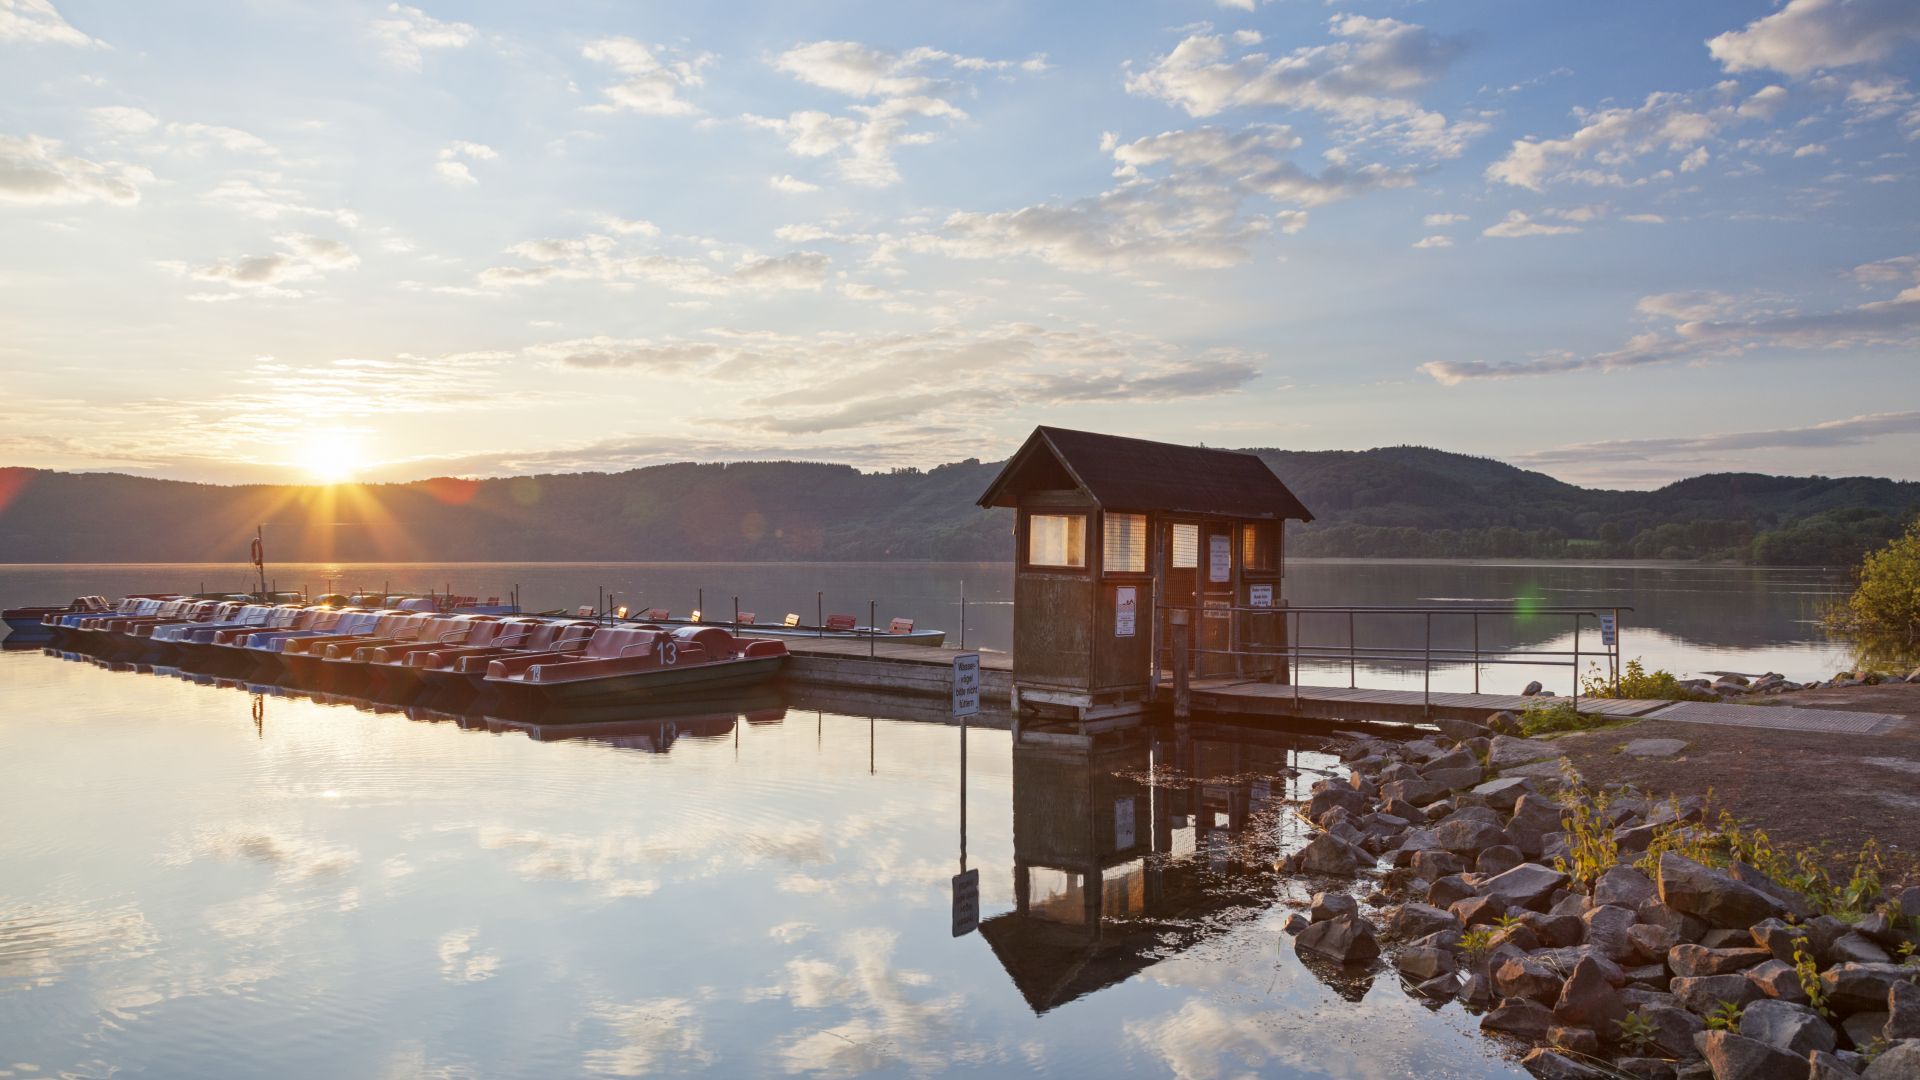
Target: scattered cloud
<point x="1714" y="326"/>
<point x="407" y="32"/>
<point x="1609" y="141"/>
<point x="649" y="84"/>
<point x="1518" y="224"/>
<point x="301" y="257"/>
<point x="1811" y="35"/>
<point x="1433" y="242"/>
<point x="460" y="963"/>
<point x="34" y="171"/>
<point x="452" y="164"/>
<point x="273" y="202"/>
<point x="612" y="261"/>
<point x="792" y="185"/>
<point x="1851" y="431"/>
<point x="37" y="22"/>
<point x="1441" y="221"/>
<point x="1366" y="80"/>
<point x="652" y="1034"/>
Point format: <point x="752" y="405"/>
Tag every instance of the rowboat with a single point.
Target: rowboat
<point x="638" y="663"/>
<point x="845" y="627"/>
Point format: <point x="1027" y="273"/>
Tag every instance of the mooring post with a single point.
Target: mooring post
<point x="873" y="630"/>
<point x="736" y="614"/>
<point x="1182" y="701"/>
<point x="819" y="614"/>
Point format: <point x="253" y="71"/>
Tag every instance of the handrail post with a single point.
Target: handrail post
<point x="1476" y="652"/>
<point x="1426" y="691"/>
<point x="1576" y="662"/>
<point x="1293" y="660"/>
<point x="873" y="632"/>
<point x="1352" y="671"/>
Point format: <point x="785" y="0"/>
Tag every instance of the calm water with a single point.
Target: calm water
<point x="1686" y="618"/>
<point x="199" y="879"/>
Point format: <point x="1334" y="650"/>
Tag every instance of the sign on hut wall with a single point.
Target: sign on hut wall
<point x="1260" y="596"/>
<point x="1126" y="605"/>
<point x="1220" y="558"/>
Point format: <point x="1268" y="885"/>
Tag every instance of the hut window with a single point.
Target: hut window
<point x="1258" y="551"/>
<point x="1123" y="543"/>
<point x="1057" y="540"/>
<point x="1186" y="547"/>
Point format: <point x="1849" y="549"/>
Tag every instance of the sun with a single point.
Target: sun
<point x="333" y="457"/>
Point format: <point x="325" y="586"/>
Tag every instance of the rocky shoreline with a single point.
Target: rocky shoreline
<point x="1481" y="870"/>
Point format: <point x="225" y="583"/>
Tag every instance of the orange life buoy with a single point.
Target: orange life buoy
<point x="259" y="552"/>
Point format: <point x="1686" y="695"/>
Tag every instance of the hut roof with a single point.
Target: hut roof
<point x="1121" y="473"/>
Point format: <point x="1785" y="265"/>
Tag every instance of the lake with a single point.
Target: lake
<point x="200" y="877"/>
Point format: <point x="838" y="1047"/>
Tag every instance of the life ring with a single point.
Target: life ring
<point x="259" y="552"/>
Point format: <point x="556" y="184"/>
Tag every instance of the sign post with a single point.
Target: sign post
<point x="966" y="902"/>
<point x="966" y="684"/>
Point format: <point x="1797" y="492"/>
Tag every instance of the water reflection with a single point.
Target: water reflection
<point x="203" y="875"/>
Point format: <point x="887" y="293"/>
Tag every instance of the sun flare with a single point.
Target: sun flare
<point x="336" y="457"/>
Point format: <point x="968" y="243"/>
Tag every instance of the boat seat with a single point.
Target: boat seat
<point x="841" y="622"/>
<point x="658" y="614"/>
<point x="745" y="618"/>
<point x="900" y="626"/>
<point x="792" y="619"/>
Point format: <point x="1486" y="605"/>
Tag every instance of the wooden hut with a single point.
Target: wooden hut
<point x="1126" y="547"/>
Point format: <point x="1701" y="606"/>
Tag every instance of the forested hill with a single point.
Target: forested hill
<point x="1394" y="501"/>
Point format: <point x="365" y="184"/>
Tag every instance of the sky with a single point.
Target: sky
<point x="294" y="240"/>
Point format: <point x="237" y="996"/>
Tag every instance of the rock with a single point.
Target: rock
<point x="1332" y="905"/>
<point x="1439" y="987"/>
<point x="1334" y="796"/>
<point x="1452" y="759"/>
<point x="1691" y="961"/>
<point x="1777" y="979"/>
<point x="1863" y="1028"/>
<point x="1548" y="1065"/>
<point x="1649" y="975"/>
<point x="1505" y="723"/>
<point x="1436" y="864"/>
<point x="1571" y="903"/>
<point x="1654" y="747"/>
<point x="1468" y="837"/>
<point x="1537" y="811"/>
<point x="1901" y="1061"/>
<point x="1347" y="939"/>
<point x="1796" y="1029"/>
<point x="1734" y="1056"/>
<point x="1525" y="886"/>
<point x="1719" y="900"/>
<point x="1463" y="777"/>
<point x="1576" y="1040"/>
<point x="1325" y="854"/>
<point x="1652" y="943"/>
<point x="1503" y="793"/>
<point x="1529" y="978"/>
<point x="1421" y="963"/>
<point x="1521" y="1017"/>
<point x="1519" y="935"/>
<point x="1702" y="993"/>
<point x="1825" y="1066"/>
<point x="1461" y="730"/>
<point x="1418" y="792"/>
<point x="1422" y="749"/>
<point x="1477" y="911"/>
<point x="1555" y="931"/>
<point x="1296" y="922"/>
<point x="1790" y="902"/>
<point x="1607" y="927"/>
<point x="1673" y="1029"/>
<point x="1777" y="937"/>
<point x="1498" y="859"/>
<point x="1532" y="689"/>
<point x="1410" y="921"/>
<point x="1857" y="948"/>
<point x="1645" y="1068"/>
<point x="1589" y="1000"/>
<point x="1638" y="999"/>
<point x="1860" y="987"/>
<point x="1684" y="927"/>
<point x="1880" y="929"/>
<point x="1403" y="810"/>
<point x="1449" y="890"/>
<point x="1903" y="1012"/>
<point x="1477" y="991"/>
<point x="1508" y="751"/>
<point x="1625" y="886"/>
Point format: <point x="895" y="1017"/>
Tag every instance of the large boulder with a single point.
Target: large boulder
<point x="1333" y="795"/>
<point x="1703" y="994"/>
<point x="1521" y="1017"/>
<point x="1423" y="963"/>
<point x="1410" y="921"/>
<point x="1528" y="977"/>
<point x="1508" y="751"/>
<point x="1327" y="854"/>
<point x="1347" y="939"/>
<point x="1607" y="928"/>
<point x="1332" y="905"/>
<point x="1468" y="837"/>
<point x="1504" y="793"/>
<point x="1625" y="886"/>
<point x="1857" y="948"/>
<point x="1652" y="943"/>
<point x="1529" y="885"/>
<point x="1903" y="1012"/>
<point x="1734" y="1056"/>
<point x="1418" y="792"/>
<point x="1550" y="1065"/>
<point x="1589" y="999"/>
<point x="1901" y="1061"/>
<point x="1456" y="779"/>
<point x="1498" y="859"/>
<point x="1693" y="889"/>
<point x="1778" y="979"/>
<point x="1796" y="1029"/>
<point x="1691" y="961"/>
<point x="1684" y="927"/>
<point x="1862" y="987"/>
<point x="1789" y="901"/>
<point x="1673" y="1029"/>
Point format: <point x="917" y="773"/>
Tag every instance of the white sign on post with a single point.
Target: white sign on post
<point x="966" y="902"/>
<point x="1609" y="630"/>
<point x="1126" y="605"/>
<point x="1220" y="558"/>
<point x="966" y="684"/>
<point x="1259" y="596"/>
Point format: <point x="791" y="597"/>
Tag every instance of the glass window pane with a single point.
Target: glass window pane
<point x="1258" y="551"/>
<point x="1186" y="547"/>
<point x="1057" y="540"/>
<point x="1123" y="546"/>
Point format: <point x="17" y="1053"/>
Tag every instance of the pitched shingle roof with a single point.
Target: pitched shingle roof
<point x="1136" y="474"/>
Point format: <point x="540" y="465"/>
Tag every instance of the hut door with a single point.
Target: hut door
<point x="1216" y="576"/>
<point x="1180" y="581"/>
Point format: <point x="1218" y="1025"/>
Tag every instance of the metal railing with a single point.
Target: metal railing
<point x="1604" y="618"/>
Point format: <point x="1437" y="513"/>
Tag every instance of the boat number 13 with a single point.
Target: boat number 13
<point x="669" y="653"/>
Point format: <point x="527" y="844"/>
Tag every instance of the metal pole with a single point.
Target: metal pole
<point x="1293" y="660"/>
<point x="819" y="614"/>
<point x="736" y="614"/>
<point x="1426" y="691"/>
<point x="873" y="631"/>
<point x="1576" y="662"/>
<point x="963" y="645"/>
<point x="1352" y="678"/>
<point x="1616" y="646"/>
<point x="1476" y="652"/>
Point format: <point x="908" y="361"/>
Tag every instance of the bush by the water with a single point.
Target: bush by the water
<point x="1639" y="684"/>
<point x="1882" y="617"/>
<point x="1549" y="717"/>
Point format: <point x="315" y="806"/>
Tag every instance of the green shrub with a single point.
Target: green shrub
<point x="1556" y="715"/>
<point x="1882" y="617"/>
<point x="1637" y="683"/>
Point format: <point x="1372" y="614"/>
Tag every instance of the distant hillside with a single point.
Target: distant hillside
<point x="1394" y="501"/>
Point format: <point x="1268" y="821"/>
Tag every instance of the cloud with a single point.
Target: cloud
<point x="1807" y="35"/>
<point x="602" y="258"/>
<point x="36" y="22"/>
<point x="408" y="31"/>
<point x="1180" y="201"/>
<point x="628" y="226"/>
<point x="1443" y="220"/>
<point x="122" y="119"/>
<point x="792" y="185"/>
<point x="651" y="85"/>
<point x="459" y="963"/>
<point x="1609" y="140"/>
<point x="1709" y="326"/>
<point x="904" y="89"/>
<point x="1851" y="431"/>
<point x="273" y="203"/>
<point x="1517" y="224"/>
<point x="33" y="171"/>
<point x="653" y="1034"/>
<point x="627" y="353"/>
<point x="1433" y="242"/>
<point x="456" y="172"/>
<point x="1366" y="81"/>
<point x="302" y="257"/>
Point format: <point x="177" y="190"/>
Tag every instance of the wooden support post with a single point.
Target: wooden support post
<point x="1180" y="622"/>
